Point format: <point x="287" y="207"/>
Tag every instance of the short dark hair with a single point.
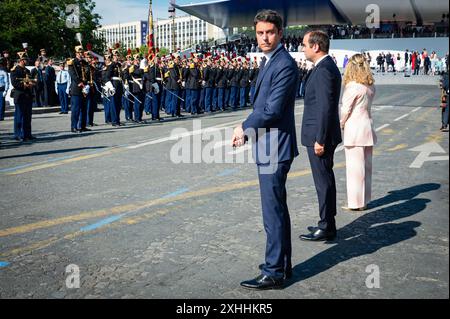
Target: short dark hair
<point x="320" y="38"/>
<point x="270" y="16"/>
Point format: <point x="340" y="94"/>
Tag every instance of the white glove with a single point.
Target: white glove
<point x="86" y="89"/>
<point x="109" y="89"/>
<point x="155" y="88"/>
<point x="4" y="93"/>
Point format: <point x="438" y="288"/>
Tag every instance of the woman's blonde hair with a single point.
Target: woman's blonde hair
<point x="358" y="70"/>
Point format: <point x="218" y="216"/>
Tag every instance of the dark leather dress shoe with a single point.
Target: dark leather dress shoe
<point x="287" y="272"/>
<point x="263" y="282"/>
<point x="312" y="229"/>
<point x="319" y="235"/>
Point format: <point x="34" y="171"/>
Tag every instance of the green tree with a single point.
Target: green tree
<point x="42" y="24"/>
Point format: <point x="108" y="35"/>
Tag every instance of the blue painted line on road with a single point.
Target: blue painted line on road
<point x="177" y="192"/>
<point x="4" y="264"/>
<point x="227" y="172"/>
<point x="102" y="223"/>
<point x="12" y="169"/>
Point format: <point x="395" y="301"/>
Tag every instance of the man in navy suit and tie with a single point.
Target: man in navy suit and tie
<point x="272" y="128"/>
<point x="321" y="132"/>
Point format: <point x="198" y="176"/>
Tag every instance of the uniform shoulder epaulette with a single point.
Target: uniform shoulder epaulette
<point x="131" y="70"/>
<point x="146" y="69"/>
<point x="13" y="68"/>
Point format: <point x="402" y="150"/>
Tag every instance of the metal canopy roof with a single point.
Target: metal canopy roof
<point x="240" y="13"/>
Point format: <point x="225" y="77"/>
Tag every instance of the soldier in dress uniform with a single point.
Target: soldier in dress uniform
<point x="136" y="87"/>
<point x="115" y="75"/>
<point x="172" y="77"/>
<point x="244" y="82"/>
<point x="193" y="87"/>
<point x="208" y="78"/>
<point x="91" y="98"/>
<point x="106" y="99"/>
<point x="79" y="89"/>
<point x="42" y="58"/>
<point x="234" y="84"/>
<point x="221" y="83"/>
<point x="23" y="99"/>
<point x="156" y="73"/>
<point x="254" y="71"/>
<point x="127" y="100"/>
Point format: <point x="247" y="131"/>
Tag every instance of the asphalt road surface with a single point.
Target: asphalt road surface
<point x="114" y="209"/>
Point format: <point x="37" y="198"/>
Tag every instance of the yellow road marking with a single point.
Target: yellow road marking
<point x="397" y="148"/>
<point x="134" y="219"/>
<point x="66" y="161"/>
<point x="130" y="207"/>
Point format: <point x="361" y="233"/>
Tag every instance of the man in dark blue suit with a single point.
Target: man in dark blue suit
<point x="272" y="127"/>
<point x="321" y="132"/>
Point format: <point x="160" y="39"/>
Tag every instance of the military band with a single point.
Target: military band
<point x="139" y="85"/>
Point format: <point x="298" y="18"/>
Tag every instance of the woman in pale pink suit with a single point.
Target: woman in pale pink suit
<point x="359" y="135"/>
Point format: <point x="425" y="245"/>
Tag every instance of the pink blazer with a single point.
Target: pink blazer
<point x="356" y="118"/>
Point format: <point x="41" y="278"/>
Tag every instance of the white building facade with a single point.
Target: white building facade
<point x="130" y="35"/>
<point x="189" y="31"/>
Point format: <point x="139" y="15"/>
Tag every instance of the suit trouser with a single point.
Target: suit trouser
<point x="115" y="106"/>
<point x="208" y="99"/>
<point x="76" y="101"/>
<point x="22" y="117"/>
<point x="188" y="100"/>
<point x="138" y="106"/>
<point x="445" y="113"/>
<point x="63" y="97"/>
<point x="148" y="102"/>
<point x="252" y="94"/>
<point x="277" y="222"/>
<point x="227" y="97"/>
<point x="243" y="97"/>
<point x="128" y="107"/>
<point x="83" y="113"/>
<point x="91" y="105"/>
<point x="214" y="99"/>
<point x="220" y="98"/>
<point x="155" y="104"/>
<point x="183" y="96"/>
<point x="2" y="104"/>
<point x="234" y="93"/>
<point x="325" y="183"/>
<point x="106" y="109"/>
<point x="194" y="101"/>
<point x="358" y="161"/>
<point x="201" y="103"/>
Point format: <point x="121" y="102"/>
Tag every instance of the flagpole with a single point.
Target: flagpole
<point x="150" y="31"/>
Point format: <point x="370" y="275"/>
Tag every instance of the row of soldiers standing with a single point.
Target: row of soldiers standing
<point x="194" y="85"/>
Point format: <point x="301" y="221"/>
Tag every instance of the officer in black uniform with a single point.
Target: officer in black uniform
<point x="23" y="99"/>
<point x="115" y="75"/>
<point x="221" y="84"/>
<point x="79" y="89"/>
<point x="137" y="88"/>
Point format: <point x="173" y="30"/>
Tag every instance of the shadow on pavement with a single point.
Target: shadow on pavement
<point x="55" y="152"/>
<point x="365" y="236"/>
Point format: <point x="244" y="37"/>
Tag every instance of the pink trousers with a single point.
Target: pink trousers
<point x="359" y="175"/>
